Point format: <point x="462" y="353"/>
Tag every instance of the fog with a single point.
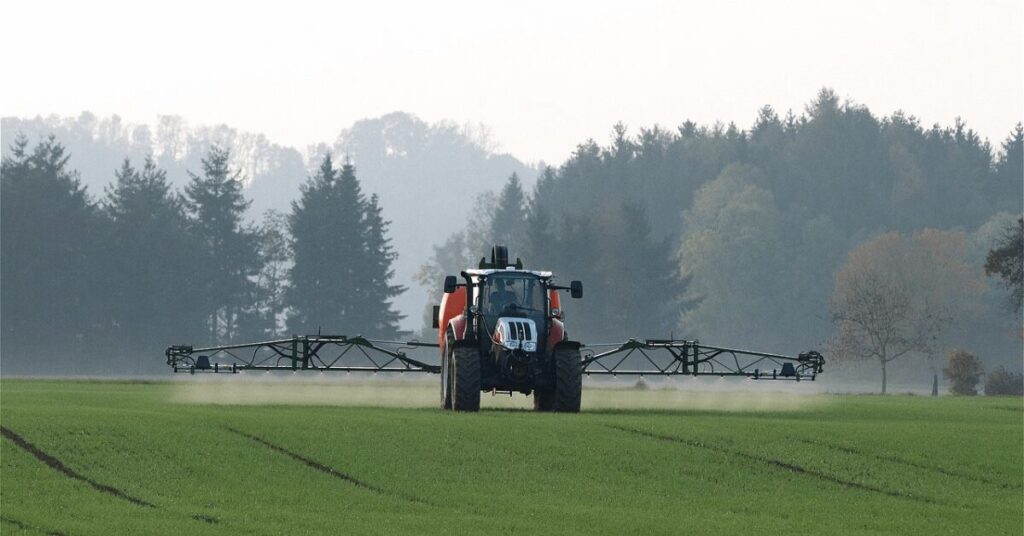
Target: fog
<point x="713" y="172"/>
<point x="421" y="391"/>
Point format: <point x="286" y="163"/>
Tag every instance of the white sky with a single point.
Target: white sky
<point x="543" y="76"/>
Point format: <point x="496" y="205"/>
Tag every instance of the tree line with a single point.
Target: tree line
<point x="749" y="238"/>
<point x="401" y="158"/>
<point x="103" y="285"/>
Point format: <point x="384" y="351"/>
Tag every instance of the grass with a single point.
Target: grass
<point x="835" y="465"/>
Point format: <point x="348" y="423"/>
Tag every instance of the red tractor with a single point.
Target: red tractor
<point x="501" y="330"/>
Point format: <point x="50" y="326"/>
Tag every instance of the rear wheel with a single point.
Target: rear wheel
<point x="568" y="390"/>
<point x="464" y="379"/>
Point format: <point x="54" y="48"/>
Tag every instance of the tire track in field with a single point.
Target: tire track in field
<point x="903" y="461"/>
<point x="25" y="526"/>
<point x="788" y="466"/>
<point x="62" y="468"/>
<point x="1015" y="409"/>
<point x="209" y="520"/>
<point x="323" y="468"/>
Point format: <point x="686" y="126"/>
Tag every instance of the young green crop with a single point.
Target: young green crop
<point x="846" y="465"/>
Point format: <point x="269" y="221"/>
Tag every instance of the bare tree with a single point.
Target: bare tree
<point x="896" y="296"/>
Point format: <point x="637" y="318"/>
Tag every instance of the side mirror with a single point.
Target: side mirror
<point x="449" y="284"/>
<point x="576" y="289"/>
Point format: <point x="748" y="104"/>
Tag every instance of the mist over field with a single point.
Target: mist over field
<point x="309" y="186"/>
<point x="730" y="235"/>
<point x="575" y="267"/>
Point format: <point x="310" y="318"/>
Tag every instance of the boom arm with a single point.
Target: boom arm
<point x="671" y="357"/>
<point x="655" y="357"/>
<point x="307" y="352"/>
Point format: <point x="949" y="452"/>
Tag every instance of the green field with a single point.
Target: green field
<point x="133" y="458"/>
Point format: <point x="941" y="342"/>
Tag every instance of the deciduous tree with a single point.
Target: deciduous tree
<point x="965" y="371"/>
<point x="1006" y="260"/>
<point x="896" y="295"/>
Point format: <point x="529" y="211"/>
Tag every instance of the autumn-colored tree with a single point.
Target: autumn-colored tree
<point x="965" y="371"/>
<point x="896" y="295"/>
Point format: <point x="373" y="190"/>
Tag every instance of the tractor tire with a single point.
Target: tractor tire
<point x="446" y="392"/>
<point x="464" y="378"/>
<point x="543" y="399"/>
<point x="568" y="391"/>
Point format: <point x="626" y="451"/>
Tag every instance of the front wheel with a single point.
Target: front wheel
<point x="446" y="393"/>
<point x="464" y="379"/>
<point x="568" y="390"/>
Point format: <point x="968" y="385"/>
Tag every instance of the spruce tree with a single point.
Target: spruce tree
<point x="508" y="223"/>
<point x="50" y="266"/>
<point x="340" y="279"/>
<point x="541" y="249"/>
<point x="327" y="241"/>
<point x="228" y="248"/>
<point x="259" y="321"/>
<point x="152" y="272"/>
<point x="1008" y="172"/>
<point x="381" y="318"/>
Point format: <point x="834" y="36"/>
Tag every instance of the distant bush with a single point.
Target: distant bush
<point x="1003" y="382"/>
<point x="965" y="371"/>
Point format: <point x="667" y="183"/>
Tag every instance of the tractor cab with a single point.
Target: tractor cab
<point x="512" y="293"/>
<point x="500" y="302"/>
<point x="513" y="308"/>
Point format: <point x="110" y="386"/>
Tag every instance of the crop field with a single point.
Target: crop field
<point x="179" y="458"/>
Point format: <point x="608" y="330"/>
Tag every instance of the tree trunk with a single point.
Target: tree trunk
<point x="935" y="385"/>
<point x="883" y="376"/>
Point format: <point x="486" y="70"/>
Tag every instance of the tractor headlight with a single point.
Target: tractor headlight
<point x="530" y="346"/>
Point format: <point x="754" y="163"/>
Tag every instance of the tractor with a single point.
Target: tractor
<point x="501" y="330"/>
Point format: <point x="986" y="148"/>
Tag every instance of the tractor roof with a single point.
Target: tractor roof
<point x="509" y="270"/>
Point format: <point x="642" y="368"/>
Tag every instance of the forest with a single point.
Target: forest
<point x="761" y="237"/>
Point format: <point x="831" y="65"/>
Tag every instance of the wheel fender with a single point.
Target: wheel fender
<point x="570" y="345"/>
<point x="457" y="327"/>
<point x="556" y="334"/>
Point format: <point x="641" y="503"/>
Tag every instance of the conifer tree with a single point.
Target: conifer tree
<point x="49" y="263"/>
<point x="540" y="247"/>
<point x="228" y="247"/>
<point x="508" y="223"/>
<point x="342" y="258"/>
<point x="383" y="322"/>
<point x="260" y="320"/>
<point x="152" y="272"/>
<point x="1009" y="172"/>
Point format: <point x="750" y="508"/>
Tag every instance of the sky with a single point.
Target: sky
<point x="542" y="76"/>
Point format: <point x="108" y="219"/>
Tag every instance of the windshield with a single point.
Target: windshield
<point x="512" y="295"/>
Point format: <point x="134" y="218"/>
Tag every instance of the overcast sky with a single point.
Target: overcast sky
<point x="543" y="76"/>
